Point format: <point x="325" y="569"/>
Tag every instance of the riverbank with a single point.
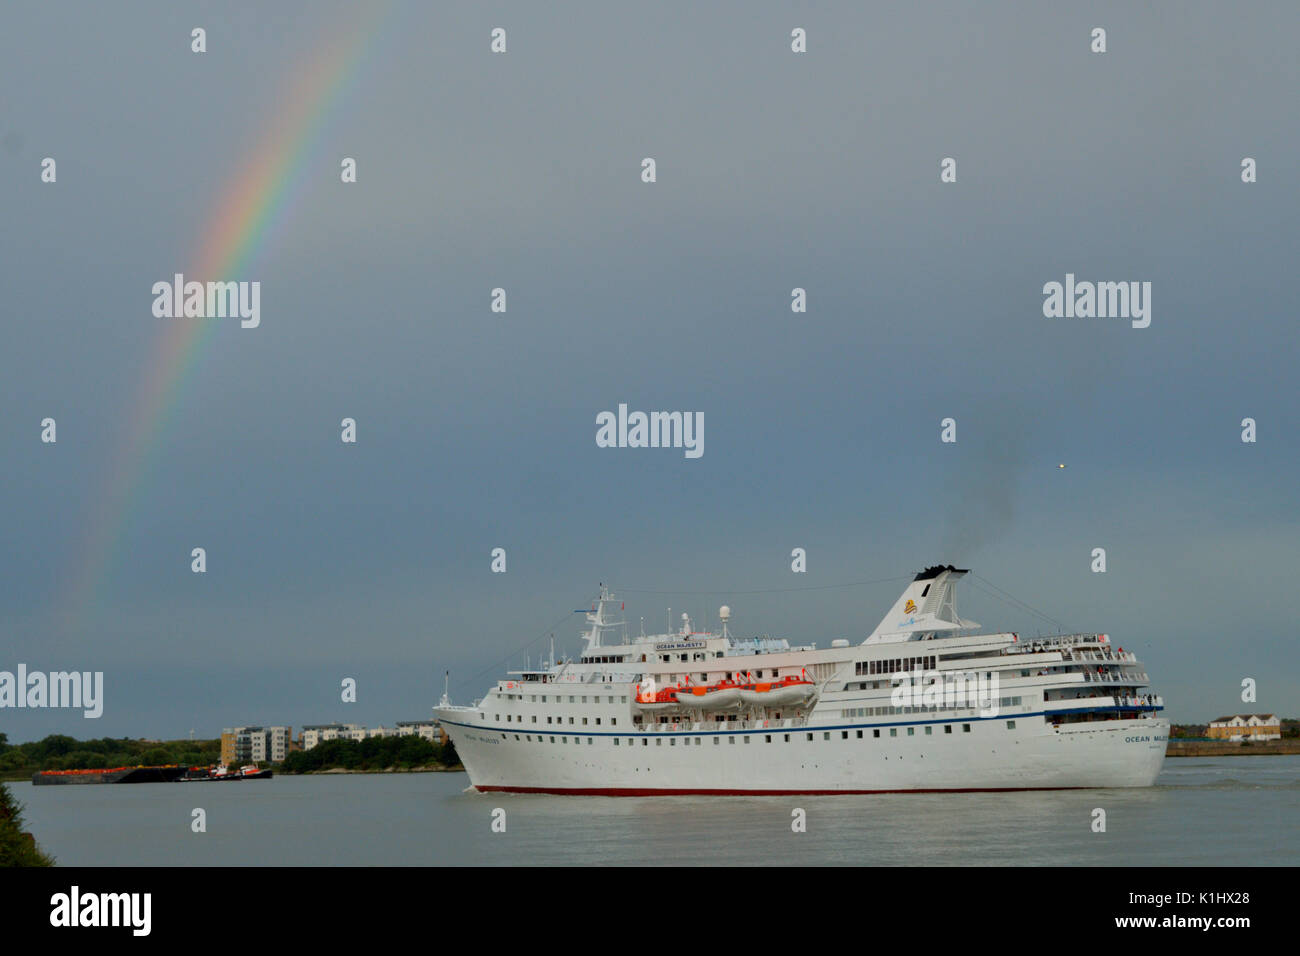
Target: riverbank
<point x="433" y="769"/>
<point x="1224" y="748"/>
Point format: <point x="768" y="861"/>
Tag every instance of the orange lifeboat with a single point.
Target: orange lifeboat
<point x="723" y="695"/>
<point x="787" y="692"/>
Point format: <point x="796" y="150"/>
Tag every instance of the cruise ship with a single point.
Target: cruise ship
<point x="923" y="704"/>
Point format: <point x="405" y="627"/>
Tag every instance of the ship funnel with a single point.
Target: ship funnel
<point x="928" y="604"/>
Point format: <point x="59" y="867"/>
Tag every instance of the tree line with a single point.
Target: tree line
<point x="373" y="753"/>
<point x="60" y="752"/>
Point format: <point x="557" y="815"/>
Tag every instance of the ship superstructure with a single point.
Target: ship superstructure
<point x="923" y="703"/>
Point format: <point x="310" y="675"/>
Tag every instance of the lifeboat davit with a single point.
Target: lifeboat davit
<point x="789" y="691"/>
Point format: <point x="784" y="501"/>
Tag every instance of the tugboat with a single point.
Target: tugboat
<point x="215" y="774"/>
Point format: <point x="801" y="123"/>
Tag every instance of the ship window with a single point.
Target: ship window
<point x="787" y="738"/>
<point x="570" y="720"/>
<point x="746" y="740"/>
<point x="584" y="699"/>
<point x="584" y="720"/>
<point x="1011" y="725"/>
<point x="673" y="742"/>
<point x="571" y="699"/>
<point x="844" y="735"/>
<point x="731" y="740"/>
<point x="965" y="728"/>
<point x="859" y="735"/>
<point x="929" y="730"/>
<point x="590" y="741"/>
<point x="875" y="733"/>
<point x="911" y="731"/>
<point x="947" y="728"/>
<point x="893" y="731"/>
<point x="615" y="741"/>
<point x="534" y="718"/>
<point x="767" y="738"/>
<point x="644" y="742"/>
<point x="564" y="740"/>
<point x="717" y="740"/>
<point x="552" y="740"/>
<point x="659" y="741"/>
<point x="548" y="719"/>
<point x="612" y="720"/>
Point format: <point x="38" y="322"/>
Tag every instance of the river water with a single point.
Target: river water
<point x="1237" y="811"/>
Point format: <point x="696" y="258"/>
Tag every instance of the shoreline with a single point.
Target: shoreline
<point x="1214" y="748"/>
<point x="26" y="776"/>
<point x="332" y="770"/>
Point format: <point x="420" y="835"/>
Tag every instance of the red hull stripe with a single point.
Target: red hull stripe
<point x="650" y="792"/>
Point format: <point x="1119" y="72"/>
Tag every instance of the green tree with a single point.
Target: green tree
<point x="156" y="756"/>
<point x="17" y="848"/>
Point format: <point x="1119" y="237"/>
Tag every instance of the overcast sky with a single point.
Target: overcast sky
<point x="476" y="429"/>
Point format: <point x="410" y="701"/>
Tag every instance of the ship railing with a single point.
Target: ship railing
<point x="1087" y="655"/>
<point x="715" y="726"/>
<point x="1126" y="678"/>
<point x="1037" y="645"/>
<point x="1112" y="700"/>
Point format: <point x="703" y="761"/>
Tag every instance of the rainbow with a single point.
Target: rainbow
<point x="247" y="218"/>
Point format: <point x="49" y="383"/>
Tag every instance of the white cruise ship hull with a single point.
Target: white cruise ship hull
<point x="989" y="756"/>
<point x="922" y="704"/>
